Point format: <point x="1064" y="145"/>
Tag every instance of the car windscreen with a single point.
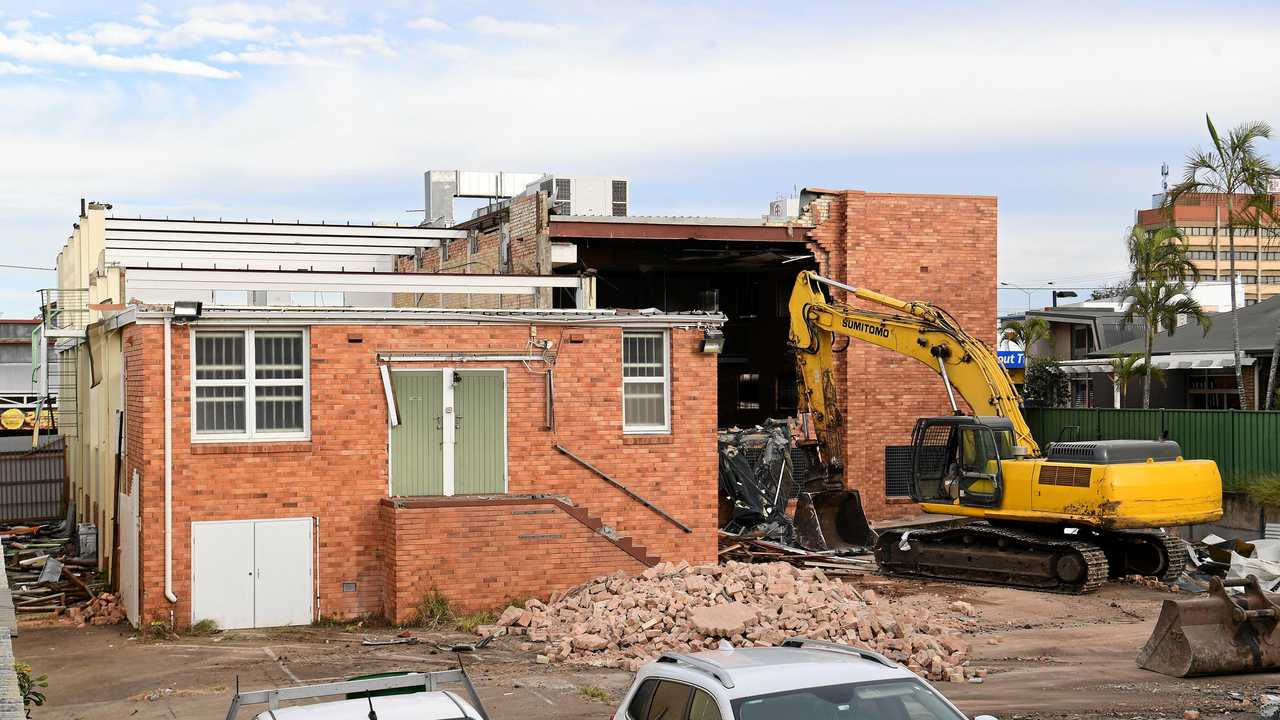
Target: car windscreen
<point x="885" y="700"/>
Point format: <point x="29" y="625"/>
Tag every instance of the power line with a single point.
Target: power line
<point x="28" y="267"/>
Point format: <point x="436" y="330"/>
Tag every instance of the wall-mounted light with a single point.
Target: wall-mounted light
<point x="187" y="309"/>
<point x="712" y="341"/>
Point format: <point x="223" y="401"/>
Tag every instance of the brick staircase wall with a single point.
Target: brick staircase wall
<point x="482" y="552"/>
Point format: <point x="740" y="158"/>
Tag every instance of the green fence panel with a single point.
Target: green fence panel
<point x="1257" y="444"/>
<point x="1131" y="424"/>
<point x="1204" y="435"/>
<point x="1058" y="419"/>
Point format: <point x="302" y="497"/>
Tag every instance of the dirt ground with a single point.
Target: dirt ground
<point x="1049" y="656"/>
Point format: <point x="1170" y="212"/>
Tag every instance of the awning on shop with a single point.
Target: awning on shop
<point x="1172" y="361"/>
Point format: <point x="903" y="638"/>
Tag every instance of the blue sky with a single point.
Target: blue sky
<point x="320" y="110"/>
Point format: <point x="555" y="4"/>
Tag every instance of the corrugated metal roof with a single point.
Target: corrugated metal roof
<point x="437" y="316"/>
<point x="662" y="220"/>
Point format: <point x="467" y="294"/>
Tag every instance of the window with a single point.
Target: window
<point x="1271" y="279"/>
<point x="646" y="382"/>
<point x="1248" y="279"/>
<point x="1271" y="256"/>
<point x="1240" y="255"/>
<point x="16" y="353"/>
<point x="670" y="701"/>
<point x="234" y="370"/>
<point x="703" y="707"/>
<point x="887" y="699"/>
<point x="230" y="297"/>
<point x="748" y="391"/>
<point x="1200" y="254"/>
<point x="444" y="250"/>
<point x="1195" y="231"/>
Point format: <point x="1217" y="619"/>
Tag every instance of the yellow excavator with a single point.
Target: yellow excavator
<point x="1062" y="520"/>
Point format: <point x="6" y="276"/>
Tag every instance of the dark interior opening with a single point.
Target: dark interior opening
<point x="749" y="281"/>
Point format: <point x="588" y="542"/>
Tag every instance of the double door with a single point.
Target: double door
<point x="452" y="436"/>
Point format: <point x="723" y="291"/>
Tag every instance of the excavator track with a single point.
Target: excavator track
<point x="1150" y="553"/>
<point x="984" y="554"/>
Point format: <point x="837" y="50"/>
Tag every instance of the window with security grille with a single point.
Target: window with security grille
<point x="250" y="385"/>
<point x="646" y="383"/>
<point x="619" y="198"/>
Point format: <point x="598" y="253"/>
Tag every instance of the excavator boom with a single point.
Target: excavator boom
<point x="919" y="330"/>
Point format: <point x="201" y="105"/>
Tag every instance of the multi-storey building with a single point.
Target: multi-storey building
<point x="1202" y="219"/>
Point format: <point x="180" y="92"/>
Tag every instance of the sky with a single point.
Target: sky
<point x="314" y="110"/>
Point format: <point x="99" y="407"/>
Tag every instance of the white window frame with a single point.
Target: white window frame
<point x="249" y="383"/>
<point x="665" y="427"/>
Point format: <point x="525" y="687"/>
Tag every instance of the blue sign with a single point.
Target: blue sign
<point x="1012" y="359"/>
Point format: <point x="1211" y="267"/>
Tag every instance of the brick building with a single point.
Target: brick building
<point x="386" y="513"/>
<point x="938" y="248"/>
<point x="356" y="416"/>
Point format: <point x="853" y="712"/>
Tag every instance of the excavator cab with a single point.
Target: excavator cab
<point x="957" y="458"/>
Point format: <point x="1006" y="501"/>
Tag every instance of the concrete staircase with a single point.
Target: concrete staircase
<point x="626" y="544"/>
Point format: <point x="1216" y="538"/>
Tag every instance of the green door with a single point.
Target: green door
<point x="480" y="442"/>
<point x="417" y="443"/>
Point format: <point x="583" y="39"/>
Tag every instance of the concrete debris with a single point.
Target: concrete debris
<point x="622" y="621"/>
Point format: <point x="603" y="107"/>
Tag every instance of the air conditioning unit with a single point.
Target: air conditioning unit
<point x="607" y="196"/>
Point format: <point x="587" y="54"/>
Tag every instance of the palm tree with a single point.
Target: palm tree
<point x="1160" y="303"/>
<point x="1125" y="368"/>
<point x="1027" y="333"/>
<point x="1233" y="167"/>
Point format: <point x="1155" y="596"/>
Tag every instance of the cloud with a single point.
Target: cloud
<point x="40" y="49"/>
<point x="8" y="68"/>
<point x="147" y="20"/>
<point x="297" y="11"/>
<point x="112" y="34"/>
<point x="271" y="57"/>
<point x="358" y="42"/>
<point x="519" y="29"/>
<point x="42" y="14"/>
<point x="18" y="25"/>
<point x="201" y="30"/>
<point x="451" y="51"/>
<point x="426" y="22"/>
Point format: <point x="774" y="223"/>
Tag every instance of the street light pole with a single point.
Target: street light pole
<point x="1025" y="291"/>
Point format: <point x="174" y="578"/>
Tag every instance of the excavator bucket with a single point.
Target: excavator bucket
<point x="1216" y="633"/>
<point x="832" y="520"/>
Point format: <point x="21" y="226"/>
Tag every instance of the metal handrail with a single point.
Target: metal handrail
<point x="629" y="492"/>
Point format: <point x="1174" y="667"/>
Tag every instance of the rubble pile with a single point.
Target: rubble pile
<point x="53" y="569"/>
<point x="622" y="621"/>
<point x="104" y="609"/>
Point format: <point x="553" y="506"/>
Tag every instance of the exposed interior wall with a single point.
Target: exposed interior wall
<point x="340" y="475"/>
<point x="936" y="248"/>
<point x="530" y="548"/>
<point x="524" y="223"/>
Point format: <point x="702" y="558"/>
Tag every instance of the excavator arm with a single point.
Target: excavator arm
<point x="919" y="330"/>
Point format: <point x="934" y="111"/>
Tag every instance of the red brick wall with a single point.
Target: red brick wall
<point x="518" y="549"/>
<point x="526" y="224"/>
<point x="340" y="475"/>
<point x="937" y="248"/>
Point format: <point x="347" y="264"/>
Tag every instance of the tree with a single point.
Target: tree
<point x="1045" y="384"/>
<point x="1110" y="291"/>
<point x="1027" y="333"/>
<point x="1157" y="292"/>
<point x="1125" y="368"/>
<point x="1232" y="167"/>
<point x="1160" y="303"/>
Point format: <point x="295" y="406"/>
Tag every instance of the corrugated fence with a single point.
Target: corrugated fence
<point x="1244" y="444"/>
<point x="33" y="483"/>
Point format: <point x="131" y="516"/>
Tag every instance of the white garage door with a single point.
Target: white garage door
<point x="251" y="573"/>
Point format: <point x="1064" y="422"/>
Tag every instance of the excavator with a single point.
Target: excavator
<point x="1059" y="520"/>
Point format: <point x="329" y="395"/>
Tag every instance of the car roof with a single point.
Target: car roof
<point x="417" y="706"/>
<point x="761" y="671"/>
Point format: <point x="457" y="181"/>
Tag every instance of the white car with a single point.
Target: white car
<point x="423" y="699"/>
<point x="803" y="678"/>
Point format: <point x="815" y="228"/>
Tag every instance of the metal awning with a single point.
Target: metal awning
<point x="1172" y="361"/>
